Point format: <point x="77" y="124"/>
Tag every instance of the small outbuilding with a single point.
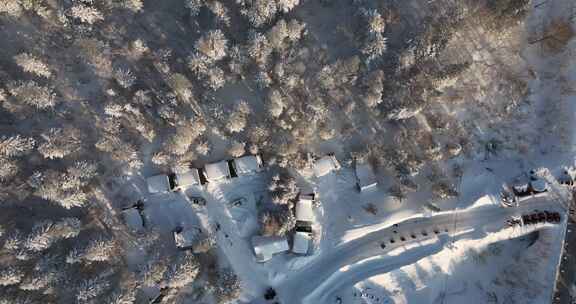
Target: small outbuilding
<point x="217" y="171"/>
<point x="302" y="242"/>
<point x="538" y="185"/>
<point x="304" y="209"/>
<point x="265" y="247"/>
<point x="365" y="177"/>
<point x="158" y="184"/>
<point x="326" y="165"/>
<point x="247" y="165"/>
<point x="188" y="178"/>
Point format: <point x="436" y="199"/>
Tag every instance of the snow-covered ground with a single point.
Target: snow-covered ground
<point x="473" y="258"/>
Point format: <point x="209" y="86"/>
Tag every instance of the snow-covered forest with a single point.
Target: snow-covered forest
<point x="95" y="93"/>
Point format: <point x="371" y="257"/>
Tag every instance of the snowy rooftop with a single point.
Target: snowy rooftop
<point x="248" y="164"/>
<point x="133" y="219"/>
<point x="301" y="243"/>
<point x="217" y="171"/>
<point x="188" y="178"/>
<point x="539" y="185"/>
<point x="266" y="247"/>
<point x="326" y="165"/>
<point x="366" y="177"/>
<point x="158" y="183"/>
<point x="304" y="210"/>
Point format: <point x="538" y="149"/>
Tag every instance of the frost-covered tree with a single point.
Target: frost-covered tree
<point x="41" y="238"/>
<point x="10" y="276"/>
<point x="284" y="32"/>
<point x="13" y="241"/>
<point x="65" y="188"/>
<point x="74" y="256"/>
<point x="186" y="134"/>
<point x="124" y="77"/>
<point x="283" y="188"/>
<point x="194" y="6"/>
<point x="238" y="119"/>
<point x="38" y="280"/>
<point x="33" y="94"/>
<point x="276" y="222"/>
<point x="237" y="149"/>
<point x="32" y="64"/>
<point x="68" y="227"/>
<point x="443" y="190"/>
<point x="227" y="286"/>
<point x="11" y="7"/>
<point x="8" y="169"/>
<point x="259" y="48"/>
<point x="87" y="14"/>
<point x="287" y="5"/>
<point x="259" y="12"/>
<point x="60" y="142"/>
<point x="374" y="21"/>
<point x="213" y="45"/>
<point x="15" y="146"/>
<point x="220" y="11"/>
<point x="99" y="249"/>
<point x="374" y="46"/>
<point x="123" y="296"/>
<point x="275" y="103"/>
<point x="203" y="148"/>
<point x="90" y="289"/>
<point x="45" y="233"/>
<point x="206" y="70"/>
<point x="133" y="5"/>
<point x="183" y="272"/>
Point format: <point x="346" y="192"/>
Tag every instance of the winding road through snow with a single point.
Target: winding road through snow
<point x="347" y="263"/>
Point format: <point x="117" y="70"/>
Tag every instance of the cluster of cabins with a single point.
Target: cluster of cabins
<point x="214" y="172"/>
<point x="365" y="179"/>
<point x="265" y="247"/>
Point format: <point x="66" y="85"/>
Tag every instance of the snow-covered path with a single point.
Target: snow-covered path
<point x="314" y="283"/>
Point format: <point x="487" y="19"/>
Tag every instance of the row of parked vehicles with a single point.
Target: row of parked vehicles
<point x="214" y="172"/>
<point x="536" y="218"/>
